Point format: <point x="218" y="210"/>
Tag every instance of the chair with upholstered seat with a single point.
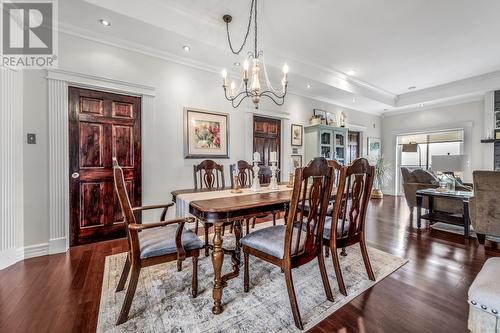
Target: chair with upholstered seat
<point x="299" y="241"/>
<point x="151" y="244"/>
<point x="354" y="182"/>
<point x="244" y="171"/>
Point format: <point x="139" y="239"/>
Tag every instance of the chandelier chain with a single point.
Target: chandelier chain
<point x="252" y="5"/>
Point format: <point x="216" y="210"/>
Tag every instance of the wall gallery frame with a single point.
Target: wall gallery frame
<point x="296" y="161"/>
<point x="297" y="135"/>
<point x="206" y="134"/>
<point x="374" y="147"/>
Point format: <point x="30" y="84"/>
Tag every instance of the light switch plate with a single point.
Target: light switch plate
<point x="31" y="138"/>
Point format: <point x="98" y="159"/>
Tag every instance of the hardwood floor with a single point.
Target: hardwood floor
<point x="61" y="293"/>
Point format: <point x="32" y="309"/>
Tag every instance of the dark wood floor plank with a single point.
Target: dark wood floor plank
<point x="61" y="293"/>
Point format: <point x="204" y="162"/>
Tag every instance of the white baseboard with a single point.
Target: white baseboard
<point x="57" y="245"/>
<point x="10" y="257"/>
<point x="36" y="250"/>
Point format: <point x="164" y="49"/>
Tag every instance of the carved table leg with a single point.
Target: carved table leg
<point x="217" y="260"/>
<point x="237" y="235"/>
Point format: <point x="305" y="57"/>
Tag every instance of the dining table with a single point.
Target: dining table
<point x="218" y="207"/>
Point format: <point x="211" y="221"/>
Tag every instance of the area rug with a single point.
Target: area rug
<point x="163" y="301"/>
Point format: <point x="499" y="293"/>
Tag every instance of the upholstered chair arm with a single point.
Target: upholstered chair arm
<point x="150" y="207"/>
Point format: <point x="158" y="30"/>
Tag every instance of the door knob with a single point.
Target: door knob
<point x="75" y="175"/>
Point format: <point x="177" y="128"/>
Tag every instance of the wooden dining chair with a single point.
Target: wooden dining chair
<point x="208" y="175"/>
<point x="353" y="194"/>
<point x="300" y="240"/>
<point x="244" y="171"/>
<point x="152" y="244"/>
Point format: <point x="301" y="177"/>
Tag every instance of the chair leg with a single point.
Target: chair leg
<point x="194" y="282"/>
<point x="366" y="259"/>
<point x="223" y="230"/>
<point x="481" y="238"/>
<point x="127" y="302"/>
<point x="124" y="276"/>
<point x="327" y="251"/>
<point x="324" y="277"/>
<point x="274" y="218"/>
<point x="196" y="227"/>
<point x="293" y="298"/>
<point x="253" y="222"/>
<point x="338" y="271"/>
<point x="206" y="240"/>
<point x="343" y="253"/>
<point x="246" y="278"/>
<point x="179" y="265"/>
<point x="247" y="222"/>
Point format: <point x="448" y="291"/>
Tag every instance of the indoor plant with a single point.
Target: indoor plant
<point x="382" y="174"/>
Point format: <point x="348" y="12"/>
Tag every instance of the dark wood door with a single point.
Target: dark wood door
<point x="266" y="138"/>
<point x="101" y="126"/>
<point x="353" y="146"/>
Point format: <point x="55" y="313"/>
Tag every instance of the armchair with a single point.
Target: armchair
<point x="151" y="244"/>
<point x="484" y="206"/>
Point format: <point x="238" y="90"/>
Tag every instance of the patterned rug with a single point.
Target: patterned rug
<point x="163" y="301"/>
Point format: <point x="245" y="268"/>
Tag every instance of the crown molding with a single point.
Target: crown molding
<point x="436" y="104"/>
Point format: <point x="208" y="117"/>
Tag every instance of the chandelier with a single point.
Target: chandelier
<point x="250" y="85"/>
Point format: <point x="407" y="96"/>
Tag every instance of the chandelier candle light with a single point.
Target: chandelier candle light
<point x="253" y="67"/>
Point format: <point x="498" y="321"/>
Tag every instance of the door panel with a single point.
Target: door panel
<point x="102" y="126"/>
<point x="266" y="138"/>
<point x="91" y="143"/>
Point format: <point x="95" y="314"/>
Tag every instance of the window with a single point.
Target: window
<point x="416" y="150"/>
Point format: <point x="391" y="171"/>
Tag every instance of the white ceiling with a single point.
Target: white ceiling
<point x="445" y="48"/>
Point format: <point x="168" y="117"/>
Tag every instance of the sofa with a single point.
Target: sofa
<point x="484" y="206"/>
<point x="419" y="179"/>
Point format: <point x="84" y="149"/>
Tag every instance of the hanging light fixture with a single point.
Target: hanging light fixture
<point x="253" y="68"/>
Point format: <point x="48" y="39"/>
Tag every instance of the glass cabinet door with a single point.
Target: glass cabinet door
<point x="326" y="138"/>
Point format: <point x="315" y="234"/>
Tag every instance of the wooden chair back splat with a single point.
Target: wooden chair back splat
<point x="244" y="171"/>
<point x="208" y="174"/>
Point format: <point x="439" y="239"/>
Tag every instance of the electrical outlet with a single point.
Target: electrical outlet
<point x="31" y="138"/>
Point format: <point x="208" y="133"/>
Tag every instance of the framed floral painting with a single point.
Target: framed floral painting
<point x="206" y="134"/>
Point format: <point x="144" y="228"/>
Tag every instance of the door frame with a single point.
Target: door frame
<point x="58" y="121"/>
<point x="286" y="148"/>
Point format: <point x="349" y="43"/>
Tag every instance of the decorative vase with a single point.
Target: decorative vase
<point x="377" y="193"/>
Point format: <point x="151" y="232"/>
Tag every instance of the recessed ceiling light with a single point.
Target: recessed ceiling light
<point x="237" y="63"/>
<point x="186" y="48"/>
<point x="354" y="100"/>
<point x="309" y="86"/>
<point x="104" y="22"/>
<point x="412" y="88"/>
<point x="351" y="72"/>
<point x="421" y="104"/>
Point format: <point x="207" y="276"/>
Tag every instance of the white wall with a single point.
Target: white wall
<point x="177" y="86"/>
<point x="467" y="115"/>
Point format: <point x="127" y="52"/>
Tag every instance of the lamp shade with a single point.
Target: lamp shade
<point x="448" y="163"/>
<point x="410" y="148"/>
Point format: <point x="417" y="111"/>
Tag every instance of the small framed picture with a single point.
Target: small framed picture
<point x="374" y="147"/>
<point x="296" y="135"/>
<point x="206" y="134"/>
<point x="296" y="161"/>
<point x="321" y="113"/>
